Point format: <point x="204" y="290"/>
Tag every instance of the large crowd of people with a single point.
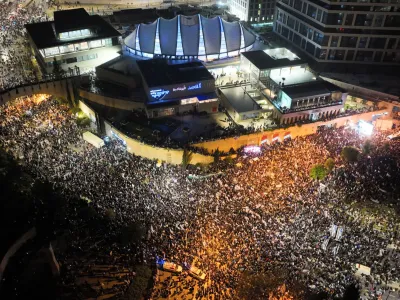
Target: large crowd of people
<point x="264" y="213"/>
<point x="15" y="53"/>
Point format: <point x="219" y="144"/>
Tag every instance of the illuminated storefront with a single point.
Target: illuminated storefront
<point x="175" y="88"/>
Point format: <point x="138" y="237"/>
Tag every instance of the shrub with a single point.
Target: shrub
<point x="318" y="172"/>
<point x="350" y="154"/>
<point x="329" y="164"/>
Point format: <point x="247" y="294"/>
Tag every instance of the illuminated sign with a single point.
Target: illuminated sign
<point x="195" y="87"/>
<point x="181" y="88"/>
<point x="159" y="93"/>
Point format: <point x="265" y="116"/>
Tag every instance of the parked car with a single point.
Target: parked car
<point x="197" y="273"/>
<point x="171" y="267"/>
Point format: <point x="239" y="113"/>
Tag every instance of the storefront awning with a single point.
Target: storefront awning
<point x="287" y="134"/>
<point x="275" y="135"/>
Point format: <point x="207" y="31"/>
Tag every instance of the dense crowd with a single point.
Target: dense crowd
<point x="266" y="213"/>
<point x="15" y="54"/>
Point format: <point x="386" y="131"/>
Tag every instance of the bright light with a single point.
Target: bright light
<point x="365" y="128"/>
<point x="252" y="149"/>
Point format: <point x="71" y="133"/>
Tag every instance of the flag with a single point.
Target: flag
<point x="339" y="233"/>
<point x="333" y="230"/>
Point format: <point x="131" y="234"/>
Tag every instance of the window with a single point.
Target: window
<point x="348" y="41"/>
<point x="312" y="11"/>
<point x="378" y="56"/>
<point x="349" y="19"/>
<point x="389" y="57"/>
<point x="364" y="55"/>
<point x="334" y="41"/>
<point x="303" y="29"/>
<point x="363" y="42"/>
<point x="71" y="48"/>
<point x="377" y="43"/>
<point x="392" y="21"/>
<point x="297" y="5"/>
<point x="310" y="48"/>
<point x="84" y="46"/>
<point x="391" y="44"/>
<point x="320" y="53"/>
<point x="51" y="51"/>
<point x="319" y="14"/>
<point x="95" y="44"/>
<point x="71" y="60"/>
<point x="378" y="21"/>
<point x="336" y="54"/>
<point x="350" y="55"/>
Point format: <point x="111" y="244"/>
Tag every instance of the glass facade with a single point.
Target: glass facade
<point x="341" y="33"/>
<point x="76" y="47"/>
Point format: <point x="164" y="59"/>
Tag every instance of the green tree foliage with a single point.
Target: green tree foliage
<point x="229" y="160"/>
<point x="368" y="147"/>
<point x="318" y="172"/>
<point x="329" y="164"/>
<point x="350" y="154"/>
<point x="186" y="158"/>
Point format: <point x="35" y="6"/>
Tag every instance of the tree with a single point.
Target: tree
<point x="368" y="147"/>
<point x="318" y="172"/>
<point x="57" y="70"/>
<point x="186" y="158"/>
<point x="350" y="154"/>
<point x="329" y="164"/>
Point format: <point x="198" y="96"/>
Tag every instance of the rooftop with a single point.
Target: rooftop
<point x="273" y="58"/>
<point x="160" y="72"/>
<point x="44" y="34"/>
<point x="239" y="99"/>
<point x="66" y="20"/>
<point x="313" y="88"/>
<point x="293" y="75"/>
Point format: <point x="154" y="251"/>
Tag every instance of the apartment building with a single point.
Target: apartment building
<point x="361" y="32"/>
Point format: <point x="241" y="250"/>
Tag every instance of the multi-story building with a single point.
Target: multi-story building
<point x="359" y="31"/>
<point x="296" y="94"/>
<point x="253" y="11"/>
<point x="75" y="39"/>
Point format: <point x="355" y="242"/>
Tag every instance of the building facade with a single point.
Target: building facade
<point x="74" y="45"/>
<point x="295" y="93"/>
<point x="253" y="11"/>
<point x="362" y="32"/>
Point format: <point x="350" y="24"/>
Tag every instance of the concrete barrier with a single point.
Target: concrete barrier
<point x="295" y="131"/>
<point x="171" y="156"/>
<point x="124" y="104"/>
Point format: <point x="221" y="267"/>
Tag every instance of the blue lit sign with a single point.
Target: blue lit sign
<point x="159" y="93"/>
<point x="194" y="87"/>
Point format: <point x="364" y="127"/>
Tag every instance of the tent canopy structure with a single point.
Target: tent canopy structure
<point x="190" y="37"/>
